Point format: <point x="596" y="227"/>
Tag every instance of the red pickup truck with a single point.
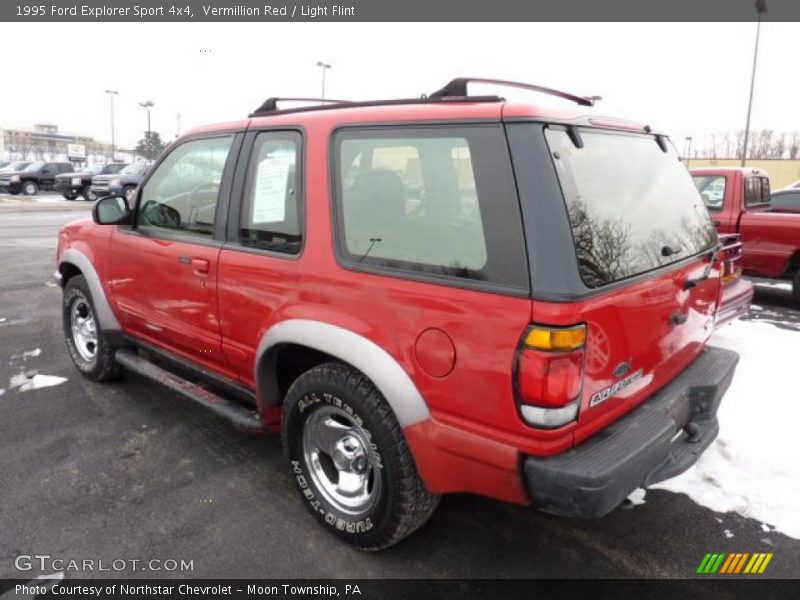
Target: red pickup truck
<point x="739" y="202"/>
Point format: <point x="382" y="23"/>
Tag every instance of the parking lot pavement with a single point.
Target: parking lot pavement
<point x="130" y="471"/>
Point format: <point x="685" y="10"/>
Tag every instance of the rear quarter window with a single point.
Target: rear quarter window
<point x="430" y="202"/>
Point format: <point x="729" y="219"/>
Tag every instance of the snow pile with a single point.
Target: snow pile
<point x="24" y="382"/>
<point x="753" y="467"/>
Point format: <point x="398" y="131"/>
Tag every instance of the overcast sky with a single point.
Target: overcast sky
<point x="685" y="79"/>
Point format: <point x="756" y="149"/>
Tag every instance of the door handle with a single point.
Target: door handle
<point x="200" y="266"/>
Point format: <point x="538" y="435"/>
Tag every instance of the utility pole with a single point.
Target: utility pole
<point x="325" y="67"/>
<point x="147" y="105"/>
<point x="761" y="8"/>
<point x="111" y="94"/>
<point x="687" y="148"/>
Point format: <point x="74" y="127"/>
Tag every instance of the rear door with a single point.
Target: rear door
<point x="164" y="267"/>
<point x="642" y="238"/>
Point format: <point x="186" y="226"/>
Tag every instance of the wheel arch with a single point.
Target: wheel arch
<point x="74" y="262"/>
<point x="331" y="342"/>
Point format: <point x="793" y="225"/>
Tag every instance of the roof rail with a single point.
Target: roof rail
<point x="270" y="105"/>
<point x="458" y="88"/>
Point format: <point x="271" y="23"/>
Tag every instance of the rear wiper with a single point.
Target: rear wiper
<point x="714" y="251"/>
<point x="668" y="250"/>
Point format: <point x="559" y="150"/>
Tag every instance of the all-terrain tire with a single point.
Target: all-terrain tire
<point x="91" y="349"/>
<point x="401" y="503"/>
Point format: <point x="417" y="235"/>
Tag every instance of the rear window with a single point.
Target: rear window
<point x="433" y="201"/>
<point x="632" y="207"/>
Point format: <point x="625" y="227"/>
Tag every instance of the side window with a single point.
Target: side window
<point x="439" y="201"/>
<point x="765" y="191"/>
<point x="272" y="215"/>
<point x="181" y="196"/>
<point x="712" y="190"/>
<point x="752" y="191"/>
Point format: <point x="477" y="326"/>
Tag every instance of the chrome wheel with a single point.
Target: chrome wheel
<point x="30" y="189"/>
<point x="341" y="461"/>
<point x="84" y="329"/>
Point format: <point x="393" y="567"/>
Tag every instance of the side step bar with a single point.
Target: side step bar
<point x="239" y="416"/>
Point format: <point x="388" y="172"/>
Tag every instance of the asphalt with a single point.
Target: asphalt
<point x="130" y="471"/>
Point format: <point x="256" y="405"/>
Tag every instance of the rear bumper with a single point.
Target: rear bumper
<point x="736" y="300"/>
<point x="659" y="439"/>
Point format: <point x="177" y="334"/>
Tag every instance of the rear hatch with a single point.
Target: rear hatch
<point x="643" y="242"/>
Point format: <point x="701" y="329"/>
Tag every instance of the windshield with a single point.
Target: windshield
<point x="93" y="169"/>
<point x="15" y="166"/>
<point x="632" y="206"/>
<point x="133" y="169"/>
<point x="34" y="166"/>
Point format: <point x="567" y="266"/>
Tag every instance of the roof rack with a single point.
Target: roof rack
<point x="270" y="105"/>
<point x="458" y="88"/>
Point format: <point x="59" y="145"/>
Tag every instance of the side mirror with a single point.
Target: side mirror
<point x="111" y="210"/>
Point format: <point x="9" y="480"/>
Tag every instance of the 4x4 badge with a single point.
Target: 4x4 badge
<point x="615" y="389"/>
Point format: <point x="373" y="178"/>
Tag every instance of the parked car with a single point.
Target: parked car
<point x="770" y="237"/>
<point x="443" y="294"/>
<point x="37" y="176"/>
<point x="14" y="166"/>
<point x="73" y="185"/>
<point x="786" y="200"/>
<point x="123" y="183"/>
<point x="3" y="164"/>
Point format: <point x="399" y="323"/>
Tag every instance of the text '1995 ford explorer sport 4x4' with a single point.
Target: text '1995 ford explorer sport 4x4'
<point x="446" y="294"/>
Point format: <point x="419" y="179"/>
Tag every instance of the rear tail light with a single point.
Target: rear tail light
<point x="549" y="374"/>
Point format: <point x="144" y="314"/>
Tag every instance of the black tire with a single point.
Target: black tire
<point x="95" y="360"/>
<point x="127" y="191"/>
<point x="401" y="504"/>
<point x="14" y="193"/>
<point x="796" y="289"/>
<point x="30" y="188"/>
<point x="69" y="196"/>
<point x="88" y="193"/>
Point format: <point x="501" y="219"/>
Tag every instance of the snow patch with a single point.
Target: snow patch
<point x="728" y="533"/>
<point x="28" y="354"/>
<point x="2" y="319"/>
<point x="25" y="382"/>
<point x="637" y="496"/>
<point x="775" y="284"/>
<point x="751" y="469"/>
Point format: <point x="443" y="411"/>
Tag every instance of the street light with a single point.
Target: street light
<point x="111" y="94"/>
<point x="325" y="67"/>
<point x="147" y="105"/>
<point x="761" y="8"/>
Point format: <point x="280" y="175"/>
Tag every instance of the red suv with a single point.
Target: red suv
<point x="445" y="294"/>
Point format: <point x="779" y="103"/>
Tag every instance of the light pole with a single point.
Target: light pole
<point x="147" y="105"/>
<point x="325" y="67"/>
<point x="761" y="8"/>
<point x="111" y="94"/>
<point x="687" y="148"/>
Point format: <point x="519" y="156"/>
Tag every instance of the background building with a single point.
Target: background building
<point x="45" y="142"/>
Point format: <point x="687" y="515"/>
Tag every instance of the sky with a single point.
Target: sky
<point x="686" y="79"/>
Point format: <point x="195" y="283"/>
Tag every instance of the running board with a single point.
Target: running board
<point x="239" y="416"/>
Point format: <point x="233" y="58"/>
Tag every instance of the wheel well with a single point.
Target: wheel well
<point x="288" y="361"/>
<point x="793" y="266"/>
<point x="68" y="271"/>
